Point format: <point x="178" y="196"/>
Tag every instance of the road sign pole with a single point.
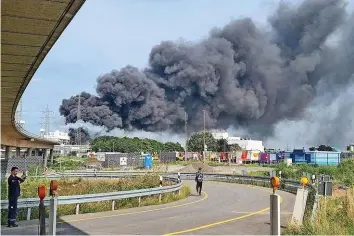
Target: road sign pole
<point x="274" y="214"/>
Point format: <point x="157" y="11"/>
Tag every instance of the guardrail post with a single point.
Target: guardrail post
<point x="29" y="213"/>
<point x="41" y="195"/>
<point x="139" y="201"/>
<point x="113" y="205"/>
<point x="53" y="215"/>
<point x="77" y="211"/>
<point x="53" y="208"/>
<point x="275" y="208"/>
<point x="274" y="214"/>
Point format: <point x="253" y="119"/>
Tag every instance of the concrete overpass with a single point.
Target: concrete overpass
<point x="29" y="29"/>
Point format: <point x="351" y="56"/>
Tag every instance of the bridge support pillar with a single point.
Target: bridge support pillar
<point x="18" y="152"/>
<point x="36" y="152"/>
<point x="7" y="152"/>
<point x="45" y="158"/>
<point x="29" y="152"/>
<point x="51" y="156"/>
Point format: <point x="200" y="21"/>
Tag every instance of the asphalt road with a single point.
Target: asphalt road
<point x="224" y="208"/>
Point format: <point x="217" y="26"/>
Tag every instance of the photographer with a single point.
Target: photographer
<point x="14" y="192"/>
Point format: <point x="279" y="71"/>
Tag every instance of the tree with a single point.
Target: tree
<point x="126" y="145"/>
<point x="196" y="142"/>
<point x="173" y="147"/>
<point x="235" y="147"/>
<point x="222" y="146"/>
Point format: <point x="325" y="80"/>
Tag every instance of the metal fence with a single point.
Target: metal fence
<point x="21" y="162"/>
<point x="166" y="157"/>
<point x="345" y="155"/>
<point x="123" y="159"/>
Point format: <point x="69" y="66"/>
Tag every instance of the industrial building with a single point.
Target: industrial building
<point x="245" y="143"/>
<point x="57" y="136"/>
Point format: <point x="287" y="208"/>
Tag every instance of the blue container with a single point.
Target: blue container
<point x="298" y="156"/>
<point x="324" y="158"/>
<point x="148" y="161"/>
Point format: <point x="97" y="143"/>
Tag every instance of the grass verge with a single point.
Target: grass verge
<point x="79" y="186"/>
<point x="335" y="216"/>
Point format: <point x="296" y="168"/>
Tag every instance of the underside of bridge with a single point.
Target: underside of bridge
<point x="29" y="29"/>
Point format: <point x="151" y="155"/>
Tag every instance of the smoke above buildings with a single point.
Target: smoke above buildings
<point x="274" y="84"/>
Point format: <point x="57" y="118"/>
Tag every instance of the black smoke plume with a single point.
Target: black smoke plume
<point x="241" y="75"/>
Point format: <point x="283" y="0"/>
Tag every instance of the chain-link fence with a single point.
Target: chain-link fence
<point x="20" y="162"/>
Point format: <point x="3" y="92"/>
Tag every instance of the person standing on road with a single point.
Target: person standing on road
<point x="14" y="192"/>
<point x="199" y="180"/>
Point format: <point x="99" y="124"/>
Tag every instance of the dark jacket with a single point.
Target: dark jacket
<point x="199" y="175"/>
<point x="14" y="185"/>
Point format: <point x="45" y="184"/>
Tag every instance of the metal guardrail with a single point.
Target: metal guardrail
<point x="287" y="185"/>
<point x="85" y="198"/>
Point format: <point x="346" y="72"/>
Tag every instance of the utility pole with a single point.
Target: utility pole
<point x="186" y="133"/>
<point x="78" y="117"/>
<point x="204" y="138"/>
<point x="46" y="117"/>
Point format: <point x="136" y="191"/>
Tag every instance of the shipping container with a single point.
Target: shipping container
<point x="244" y="155"/>
<point x="264" y="158"/>
<point x="255" y="155"/>
<point x="273" y="157"/>
<point x="324" y="158"/>
<point x="298" y="156"/>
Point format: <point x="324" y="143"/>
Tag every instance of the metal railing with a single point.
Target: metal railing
<point x="97" y="197"/>
<point x="286" y="185"/>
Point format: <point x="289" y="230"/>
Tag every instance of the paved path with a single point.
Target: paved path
<point x="224" y="208"/>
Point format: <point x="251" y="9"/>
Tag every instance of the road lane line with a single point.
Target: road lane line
<point x="228" y="220"/>
<point x="206" y="196"/>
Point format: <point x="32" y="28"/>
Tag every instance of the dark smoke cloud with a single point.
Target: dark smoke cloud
<point x="241" y="75"/>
